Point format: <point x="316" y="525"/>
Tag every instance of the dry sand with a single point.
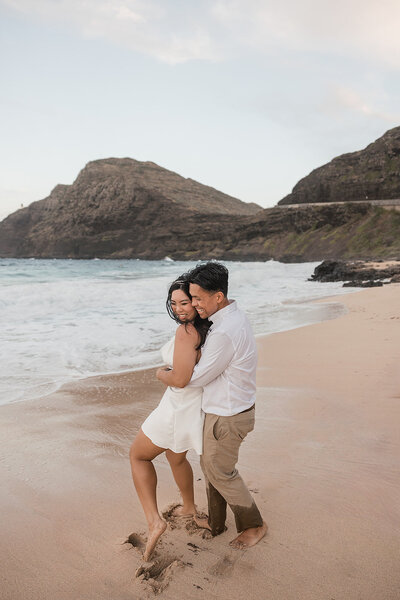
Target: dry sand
<point x="384" y="264"/>
<point x="323" y="464"/>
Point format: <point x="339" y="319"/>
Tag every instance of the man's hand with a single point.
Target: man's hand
<point x="161" y="372"/>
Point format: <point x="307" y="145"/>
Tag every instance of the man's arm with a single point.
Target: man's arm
<point x="217" y="355"/>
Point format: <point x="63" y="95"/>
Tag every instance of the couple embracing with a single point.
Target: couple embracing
<point x="208" y="406"/>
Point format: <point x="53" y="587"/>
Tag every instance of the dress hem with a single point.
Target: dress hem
<point x="169" y="448"/>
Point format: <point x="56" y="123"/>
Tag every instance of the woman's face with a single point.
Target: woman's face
<point x="182" y="306"/>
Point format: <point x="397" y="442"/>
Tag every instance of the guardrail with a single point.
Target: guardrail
<point x="388" y="204"/>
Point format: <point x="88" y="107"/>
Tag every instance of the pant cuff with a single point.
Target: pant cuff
<point x="246" y="517"/>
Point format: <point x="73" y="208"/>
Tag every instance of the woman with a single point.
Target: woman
<point x="176" y="425"/>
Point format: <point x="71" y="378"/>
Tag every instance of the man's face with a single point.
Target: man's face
<point x="206" y="303"/>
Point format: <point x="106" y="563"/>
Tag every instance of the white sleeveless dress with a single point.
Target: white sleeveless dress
<point x="177" y="422"/>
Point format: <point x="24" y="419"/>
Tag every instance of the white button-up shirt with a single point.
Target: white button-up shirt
<point x="227" y="367"/>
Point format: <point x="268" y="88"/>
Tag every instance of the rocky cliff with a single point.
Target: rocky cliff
<point x="114" y="207"/>
<point x="109" y="181"/>
<point x="372" y="173"/>
<point x="349" y="231"/>
<point x="119" y="208"/>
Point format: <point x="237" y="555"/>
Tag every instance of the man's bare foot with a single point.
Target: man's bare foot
<point x="155" y="533"/>
<point x="202" y="522"/>
<point x="183" y="511"/>
<point x="249" y="537"/>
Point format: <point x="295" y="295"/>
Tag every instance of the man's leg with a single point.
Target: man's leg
<point x="216" y="502"/>
<point x="223" y="437"/>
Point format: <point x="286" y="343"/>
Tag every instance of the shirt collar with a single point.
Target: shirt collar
<point x="220" y="314"/>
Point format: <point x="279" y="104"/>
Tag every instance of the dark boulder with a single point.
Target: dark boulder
<point x="363" y="284"/>
<point x="360" y="273"/>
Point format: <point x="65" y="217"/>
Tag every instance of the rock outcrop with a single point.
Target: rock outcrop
<point x="119" y="208"/>
<point x="358" y="273"/>
<point x="370" y="174"/>
<point x="115" y="207"/>
<point x="111" y="180"/>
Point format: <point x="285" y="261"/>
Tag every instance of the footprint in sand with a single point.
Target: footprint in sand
<point x="173" y="520"/>
<point x="195" y="549"/>
<point x="176" y="521"/>
<point x="184" y="522"/>
<point x="192" y="528"/>
<point x="222" y="568"/>
<point x="136" y="541"/>
<point x="158" y="574"/>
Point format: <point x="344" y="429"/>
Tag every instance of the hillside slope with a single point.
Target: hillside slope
<point x="372" y="173"/>
<point x="114" y="205"/>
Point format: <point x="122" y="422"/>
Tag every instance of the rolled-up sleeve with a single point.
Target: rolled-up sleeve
<point x="216" y="356"/>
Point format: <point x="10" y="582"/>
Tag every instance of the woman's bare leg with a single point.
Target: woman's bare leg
<point x="183" y="475"/>
<point x="142" y="452"/>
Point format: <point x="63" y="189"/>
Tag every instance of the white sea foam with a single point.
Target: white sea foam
<point x="62" y="319"/>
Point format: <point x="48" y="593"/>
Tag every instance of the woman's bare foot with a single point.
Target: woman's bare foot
<point x="202" y="521"/>
<point x="155" y="532"/>
<point x="249" y="537"/>
<point x="184" y="511"/>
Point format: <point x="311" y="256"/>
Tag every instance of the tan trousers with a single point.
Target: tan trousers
<point x="222" y="437"/>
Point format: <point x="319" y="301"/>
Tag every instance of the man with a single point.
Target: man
<point x="227" y="373"/>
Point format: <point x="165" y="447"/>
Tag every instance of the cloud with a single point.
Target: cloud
<point x="344" y="100"/>
<point x="362" y="28"/>
<point x="177" y="31"/>
<point x="171" y="32"/>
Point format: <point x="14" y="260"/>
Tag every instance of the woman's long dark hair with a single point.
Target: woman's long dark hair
<point x="201" y="325"/>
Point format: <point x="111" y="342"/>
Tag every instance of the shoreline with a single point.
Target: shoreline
<point x="308" y="305"/>
<point x="321" y="463"/>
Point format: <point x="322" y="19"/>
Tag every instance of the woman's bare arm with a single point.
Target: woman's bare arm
<point x="185" y="356"/>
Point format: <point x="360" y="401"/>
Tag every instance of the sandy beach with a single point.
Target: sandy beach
<point x="322" y="464"/>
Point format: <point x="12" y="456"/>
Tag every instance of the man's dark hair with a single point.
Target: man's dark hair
<point x="211" y="276"/>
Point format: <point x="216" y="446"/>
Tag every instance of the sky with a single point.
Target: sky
<point x="247" y="96"/>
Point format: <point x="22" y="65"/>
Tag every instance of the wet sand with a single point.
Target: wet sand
<point x="322" y="464"/>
